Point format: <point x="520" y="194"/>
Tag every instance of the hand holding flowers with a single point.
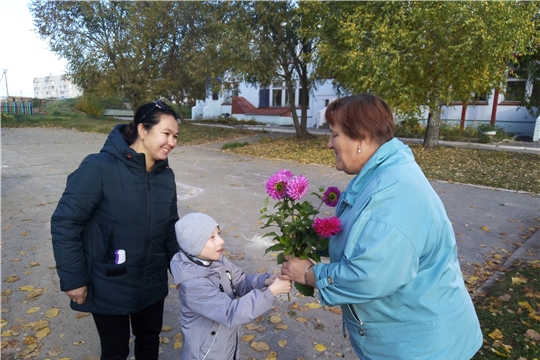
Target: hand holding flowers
<point x="301" y="234"/>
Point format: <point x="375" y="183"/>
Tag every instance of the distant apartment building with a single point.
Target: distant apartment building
<point x="55" y="86"/>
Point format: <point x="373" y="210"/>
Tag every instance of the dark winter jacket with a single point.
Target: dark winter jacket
<point x="112" y="203"/>
<point x="210" y="312"/>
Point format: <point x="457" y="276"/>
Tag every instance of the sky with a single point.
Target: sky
<point x="23" y="54"/>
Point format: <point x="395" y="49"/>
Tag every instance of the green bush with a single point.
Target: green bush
<point x="7" y="117"/>
<point x="484" y="139"/>
<point x="90" y="106"/>
<point x="409" y="128"/>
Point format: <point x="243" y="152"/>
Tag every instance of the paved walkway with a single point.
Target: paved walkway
<point x="490" y="225"/>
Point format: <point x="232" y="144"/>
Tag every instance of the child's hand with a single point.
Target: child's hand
<point x="280" y="286"/>
<point x="270" y="280"/>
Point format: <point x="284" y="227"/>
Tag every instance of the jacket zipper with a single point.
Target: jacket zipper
<point x="149" y="236"/>
<point x="361" y="331"/>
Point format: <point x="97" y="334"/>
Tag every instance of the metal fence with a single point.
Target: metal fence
<point x="17" y="107"/>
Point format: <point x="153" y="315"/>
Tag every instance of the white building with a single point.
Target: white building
<point x="270" y="105"/>
<point x="55" y="86"/>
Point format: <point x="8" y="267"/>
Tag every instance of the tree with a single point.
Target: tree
<point x="278" y="50"/>
<point x="416" y="54"/>
<point x="138" y="50"/>
<point x="95" y="39"/>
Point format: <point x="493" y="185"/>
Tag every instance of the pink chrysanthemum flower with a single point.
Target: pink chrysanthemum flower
<point x="331" y="196"/>
<point x="285" y="172"/>
<point x="276" y="185"/>
<point x="327" y="227"/>
<point x="297" y="187"/>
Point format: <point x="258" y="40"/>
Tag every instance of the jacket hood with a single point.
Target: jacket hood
<point x="118" y="147"/>
<point x="184" y="269"/>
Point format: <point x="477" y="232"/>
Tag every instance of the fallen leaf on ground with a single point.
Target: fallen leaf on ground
<point x="248" y="337"/>
<point x="272" y="355"/>
<point x="12" y="278"/>
<point x="282" y="343"/>
<point x="29" y="340"/>
<point x="485" y="228"/>
<point x="32" y="310"/>
<point x="313" y="305"/>
<point x="301" y="319"/>
<point x="166" y="328"/>
<point x="275" y="319"/>
<point x="496" y="334"/>
<point x="260" y="346"/>
<point x="55" y="351"/>
<point x="52" y="312"/>
<point x="532" y="334"/>
<point x="43" y="332"/>
<point x="177" y="345"/>
<point x="282" y="327"/>
<point x="319" y="347"/>
<point x="79" y="342"/>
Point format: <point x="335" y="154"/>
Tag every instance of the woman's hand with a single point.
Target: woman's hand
<point x="294" y="269"/>
<point x="280" y="286"/>
<point x="78" y="295"/>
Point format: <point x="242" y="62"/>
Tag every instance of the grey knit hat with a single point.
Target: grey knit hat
<point x="193" y="231"/>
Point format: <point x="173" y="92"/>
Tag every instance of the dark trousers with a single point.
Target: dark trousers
<point x="114" y="333"/>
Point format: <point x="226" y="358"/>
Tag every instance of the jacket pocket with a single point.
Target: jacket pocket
<point x="109" y="256"/>
<point x="209" y="347"/>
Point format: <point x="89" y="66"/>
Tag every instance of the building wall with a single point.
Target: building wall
<point x="55" y="86"/>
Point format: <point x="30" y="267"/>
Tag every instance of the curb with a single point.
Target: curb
<point x="516" y="255"/>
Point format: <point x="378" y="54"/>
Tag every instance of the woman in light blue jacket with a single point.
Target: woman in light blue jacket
<point x="394" y="266"/>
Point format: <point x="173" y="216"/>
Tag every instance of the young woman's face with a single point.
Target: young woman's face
<point x="159" y="141"/>
<point x="213" y="248"/>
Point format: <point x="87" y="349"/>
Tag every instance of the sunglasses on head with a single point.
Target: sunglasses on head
<point x="160" y="105"/>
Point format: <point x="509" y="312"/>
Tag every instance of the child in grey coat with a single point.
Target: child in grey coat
<point x="216" y="297"/>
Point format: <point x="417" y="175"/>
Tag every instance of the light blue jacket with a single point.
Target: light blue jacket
<point x="394" y="267"/>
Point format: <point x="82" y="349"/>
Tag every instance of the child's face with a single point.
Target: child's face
<point x="213" y="248"/>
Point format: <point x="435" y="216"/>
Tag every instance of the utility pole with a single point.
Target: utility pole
<point x="4" y="75"/>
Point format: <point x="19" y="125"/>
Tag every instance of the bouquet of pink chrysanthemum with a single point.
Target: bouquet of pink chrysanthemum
<point x="302" y="234"/>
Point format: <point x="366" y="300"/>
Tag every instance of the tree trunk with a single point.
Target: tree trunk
<point x="301" y="131"/>
<point x="180" y="115"/>
<point x="431" y="139"/>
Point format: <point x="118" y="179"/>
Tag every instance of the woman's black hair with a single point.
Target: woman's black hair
<point x="149" y="115"/>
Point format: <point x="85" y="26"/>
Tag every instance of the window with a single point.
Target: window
<point x="264" y="97"/>
<point x="515" y="87"/>
<point x="535" y="93"/>
<point x="326" y="102"/>
<point x="288" y="98"/>
<point x="276" y="97"/>
<point x="215" y="96"/>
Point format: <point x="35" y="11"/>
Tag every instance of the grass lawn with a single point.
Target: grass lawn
<point x="510" y="315"/>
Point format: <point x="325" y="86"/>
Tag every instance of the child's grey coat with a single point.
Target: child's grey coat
<point x="211" y="317"/>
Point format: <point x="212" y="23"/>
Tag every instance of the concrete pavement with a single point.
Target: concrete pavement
<point x="490" y="225"/>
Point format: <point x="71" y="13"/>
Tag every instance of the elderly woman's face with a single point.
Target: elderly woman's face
<point x="348" y="159"/>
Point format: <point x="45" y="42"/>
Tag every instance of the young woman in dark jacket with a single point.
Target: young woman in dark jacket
<point x="113" y="232"/>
